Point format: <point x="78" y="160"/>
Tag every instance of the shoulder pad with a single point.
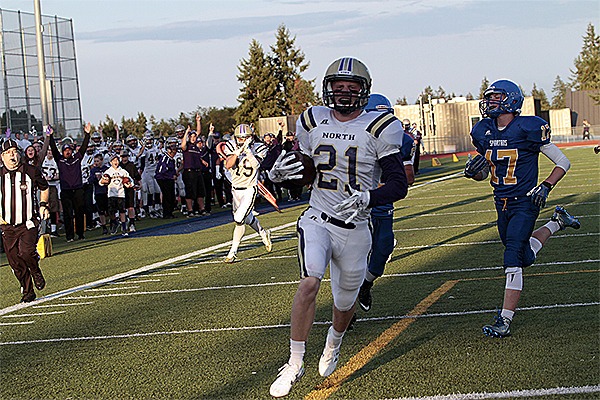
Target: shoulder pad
<point x="533" y="123"/>
<point x="386" y="127"/>
<point x="307" y="119"/>
<point x="382" y="121"/>
<point x="536" y="129"/>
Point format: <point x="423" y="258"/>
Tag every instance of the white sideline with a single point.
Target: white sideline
<point x="249" y="328"/>
<point x="509" y="394"/>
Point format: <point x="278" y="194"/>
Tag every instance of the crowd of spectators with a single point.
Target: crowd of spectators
<point x="110" y="184"/>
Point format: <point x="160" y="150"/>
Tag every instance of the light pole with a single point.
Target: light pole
<point x="39" y="39"/>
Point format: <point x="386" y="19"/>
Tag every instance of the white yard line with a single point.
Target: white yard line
<point x="33" y="314"/>
<point x="255" y="285"/>
<point x="82" y="303"/>
<point x="278" y="326"/>
<point x="509" y="394"/>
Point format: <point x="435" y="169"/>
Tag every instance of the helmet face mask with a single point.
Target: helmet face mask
<point x="242" y="133"/>
<point x="117" y="146"/>
<point x="346" y="85"/>
<point x="172" y="143"/>
<point x="179" y="131"/>
<point x="501" y="97"/>
<point x="131" y="141"/>
<point x="148" y="139"/>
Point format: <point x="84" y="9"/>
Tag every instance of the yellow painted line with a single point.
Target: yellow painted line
<point x="335" y="380"/>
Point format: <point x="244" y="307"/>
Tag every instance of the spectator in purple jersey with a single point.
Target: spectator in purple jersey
<point x="71" y="183"/>
<point x="192" y="170"/>
<point x="166" y="173"/>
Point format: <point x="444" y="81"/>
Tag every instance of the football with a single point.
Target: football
<point x="309" y="172"/>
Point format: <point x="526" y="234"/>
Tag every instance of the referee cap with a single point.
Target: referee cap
<point x="9" y="144"/>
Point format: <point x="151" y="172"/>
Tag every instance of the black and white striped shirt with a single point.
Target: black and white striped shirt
<point x="18" y="193"/>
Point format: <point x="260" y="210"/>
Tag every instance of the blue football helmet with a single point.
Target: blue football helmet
<point x="511" y="103"/>
<point x="378" y="102"/>
<point x="347" y="69"/>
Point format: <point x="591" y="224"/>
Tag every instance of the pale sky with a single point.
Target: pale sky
<point x="164" y="57"/>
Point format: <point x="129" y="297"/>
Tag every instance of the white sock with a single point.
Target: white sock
<point x="334" y="338"/>
<point x="507" y="313"/>
<point x="552" y="226"/>
<point x="297" y="349"/>
<point x="238" y="234"/>
<point x="370" y="277"/>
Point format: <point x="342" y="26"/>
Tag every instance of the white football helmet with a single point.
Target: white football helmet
<point x="347" y="69"/>
<point x="242" y="132"/>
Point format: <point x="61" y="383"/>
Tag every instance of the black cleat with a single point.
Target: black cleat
<point x="364" y="296"/>
<point x="564" y="219"/>
<point x="39" y="280"/>
<point x="500" y="328"/>
<point x="28" y="298"/>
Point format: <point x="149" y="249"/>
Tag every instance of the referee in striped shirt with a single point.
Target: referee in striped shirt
<point x="19" y="217"/>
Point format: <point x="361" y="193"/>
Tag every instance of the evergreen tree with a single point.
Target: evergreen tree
<point x="401" y="101"/>
<point x="586" y="75"/>
<point x="425" y="94"/>
<point x="258" y="95"/>
<point x="440" y="93"/>
<point x="541" y="96"/>
<point x="302" y="96"/>
<point x="558" y="93"/>
<point x="161" y="127"/>
<point x="294" y="94"/>
<point x="484" y="85"/>
<point x="107" y="128"/>
<point x="470" y="96"/>
<point x="223" y="119"/>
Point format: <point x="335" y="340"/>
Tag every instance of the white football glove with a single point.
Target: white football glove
<point x="358" y="201"/>
<point x="285" y="168"/>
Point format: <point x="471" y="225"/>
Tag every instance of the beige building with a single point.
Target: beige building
<point x="446" y="125"/>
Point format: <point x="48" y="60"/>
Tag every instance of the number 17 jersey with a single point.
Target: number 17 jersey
<point x="512" y="152"/>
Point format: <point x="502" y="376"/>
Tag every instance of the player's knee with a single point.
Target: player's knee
<point x="308" y="288"/>
<point x="344" y="299"/>
<point x="514" y="278"/>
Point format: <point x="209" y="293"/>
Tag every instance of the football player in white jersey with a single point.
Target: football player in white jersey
<point x="346" y="144"/>
<point x="150" y="190"/>
<point x="50" y="172"/>
<point x="243" y="157"/>
<point x="132" y="144"/>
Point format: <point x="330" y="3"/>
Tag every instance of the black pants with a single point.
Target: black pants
<point x="207" y="178"/>
<point x="20" y="245"/>
<point x="218" y="186"/>
<point x="273" y="187"/>
<point x="167" y="187"/>
<point x="88" y="204"/>
<point x="417" y="157"/>
<point x="73" y="206"/>
<point x="194" y="184"/>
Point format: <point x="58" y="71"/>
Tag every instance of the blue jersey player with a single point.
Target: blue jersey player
<point x="508" y="147"/>
<point x="382" y="216"/>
